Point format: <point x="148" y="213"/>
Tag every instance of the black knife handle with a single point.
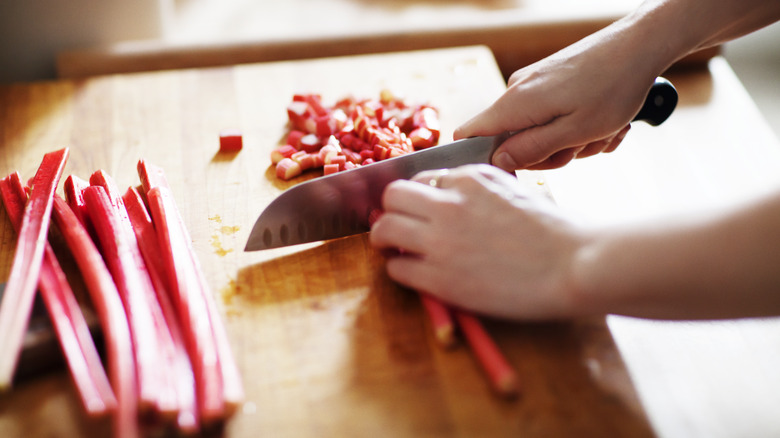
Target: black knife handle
<point x="659" y="103"/>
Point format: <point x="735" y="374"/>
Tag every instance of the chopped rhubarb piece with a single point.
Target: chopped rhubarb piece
<point x="502" y="376"/>
<point x="339" y="160"/>
<point x="328" y="152"/>
<point x="441" y="320"/>
<point x="340" y="119"/>
<point x="427" y="117"/>
<point x="230" y="140"/>
<point x="294" y="138"/>
<point x="298" y="114"/>
<point x="325" y="125"/>
<point x="65" y="314"/>
<point x="288" y="169"/>
<point x="386" y="96"/>
<point x="315" y="103"/>
<point x="282" y="152"/>
<point x="330" y="169"/>
<point x="310" y="143"/>
<point x="422" y="138"/>
<point x="306" y="160"/>
<point x="381" y="153"/>
<point x="395" y="152"/>
<point x="17" y="302"/>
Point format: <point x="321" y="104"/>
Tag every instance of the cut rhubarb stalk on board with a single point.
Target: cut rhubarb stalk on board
<point x="65" y="314"/>
<point x="73" y="187"/>
<point x="17" y="302"/>
<point x="161" y="397"/>
<point x="440" y="319"/>
<point x="192" y="309"/>
<point x="187" y="420"/>
<point x="134" y="289"/>
<point x="166" y="215"/>
<point x="230" y="140"/>
<point x="502" y="376"/>
<point x="111" y="314"/>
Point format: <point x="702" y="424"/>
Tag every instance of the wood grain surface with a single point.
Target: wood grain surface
<point x="326" y="343"/>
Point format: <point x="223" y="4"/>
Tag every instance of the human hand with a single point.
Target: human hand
<point x="576" y="103"/>
<point x="479" y="240"/>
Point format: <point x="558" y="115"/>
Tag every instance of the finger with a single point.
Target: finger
<point x="409" y="198"/>
<point x="398" y="231"/>
<point x="535" y="145"/>
<point x="414" y="273"/>
<point x="618" y="139"/>
<point x="594" y="148"/>
<point x="505" y="115"/>
<point x="491" y="173"/>
<point x="433" y="178"/>
<point x="557" y="160"/>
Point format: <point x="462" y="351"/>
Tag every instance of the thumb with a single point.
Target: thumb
<point x="533" y="145"/>
<point x="503" y="115"/>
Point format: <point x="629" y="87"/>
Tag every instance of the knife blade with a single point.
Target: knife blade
<point x="339" y="205"/>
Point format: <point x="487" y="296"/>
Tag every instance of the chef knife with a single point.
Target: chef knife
<point x="338" y="205"/>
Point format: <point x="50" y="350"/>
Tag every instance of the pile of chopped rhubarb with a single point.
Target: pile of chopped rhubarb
<point x="169" y="364"/>
<point x="352" y="133"/>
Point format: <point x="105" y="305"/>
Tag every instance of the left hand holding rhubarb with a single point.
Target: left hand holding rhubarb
<point x="475" y="237"/>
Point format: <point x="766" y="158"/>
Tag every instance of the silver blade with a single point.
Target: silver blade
<point x="338" y="205"/>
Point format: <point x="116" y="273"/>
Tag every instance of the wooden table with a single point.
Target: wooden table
<point x="327" y="345"/>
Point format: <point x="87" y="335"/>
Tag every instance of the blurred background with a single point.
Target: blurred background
<point x="34" y="32"/>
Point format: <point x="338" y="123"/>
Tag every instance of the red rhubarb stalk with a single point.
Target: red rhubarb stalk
<point x="136" y="267"/>
<point x="133" y="289"/>
<point x="111" y="315"/>
<point x="65" y="314"/>
<point x="17" y="302"/>
<point x="192" y="309"/>
<point x="73" y="187"/>
<point x="149" y="245"/>
<point x="440" y="318"/>
<point x="502" y="376"/>
<point x="154" y="177"/>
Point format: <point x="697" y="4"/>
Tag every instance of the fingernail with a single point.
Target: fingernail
<point x="505" y="161"/>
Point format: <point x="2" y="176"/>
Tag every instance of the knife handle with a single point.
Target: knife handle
<point x="659" y="103"/>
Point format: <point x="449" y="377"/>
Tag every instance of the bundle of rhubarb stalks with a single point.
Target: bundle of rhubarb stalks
<point x="168" y="361"/>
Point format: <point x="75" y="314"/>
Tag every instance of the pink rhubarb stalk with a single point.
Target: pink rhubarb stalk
<point x="111" y="314"/>
<point x="191" y="309"/>
<point x="152" y="177"/>
<point x="134" y="289"/>
<point x="166" y="402"/>
<point x="501" y="375"/>
<point x="68" y="321"/>
<point x="17" y="302"/>
<point x="149" y="245"/>
<point x="440" y="318"/>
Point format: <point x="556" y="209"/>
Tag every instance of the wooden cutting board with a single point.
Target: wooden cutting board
<point x="326" y="343"/>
